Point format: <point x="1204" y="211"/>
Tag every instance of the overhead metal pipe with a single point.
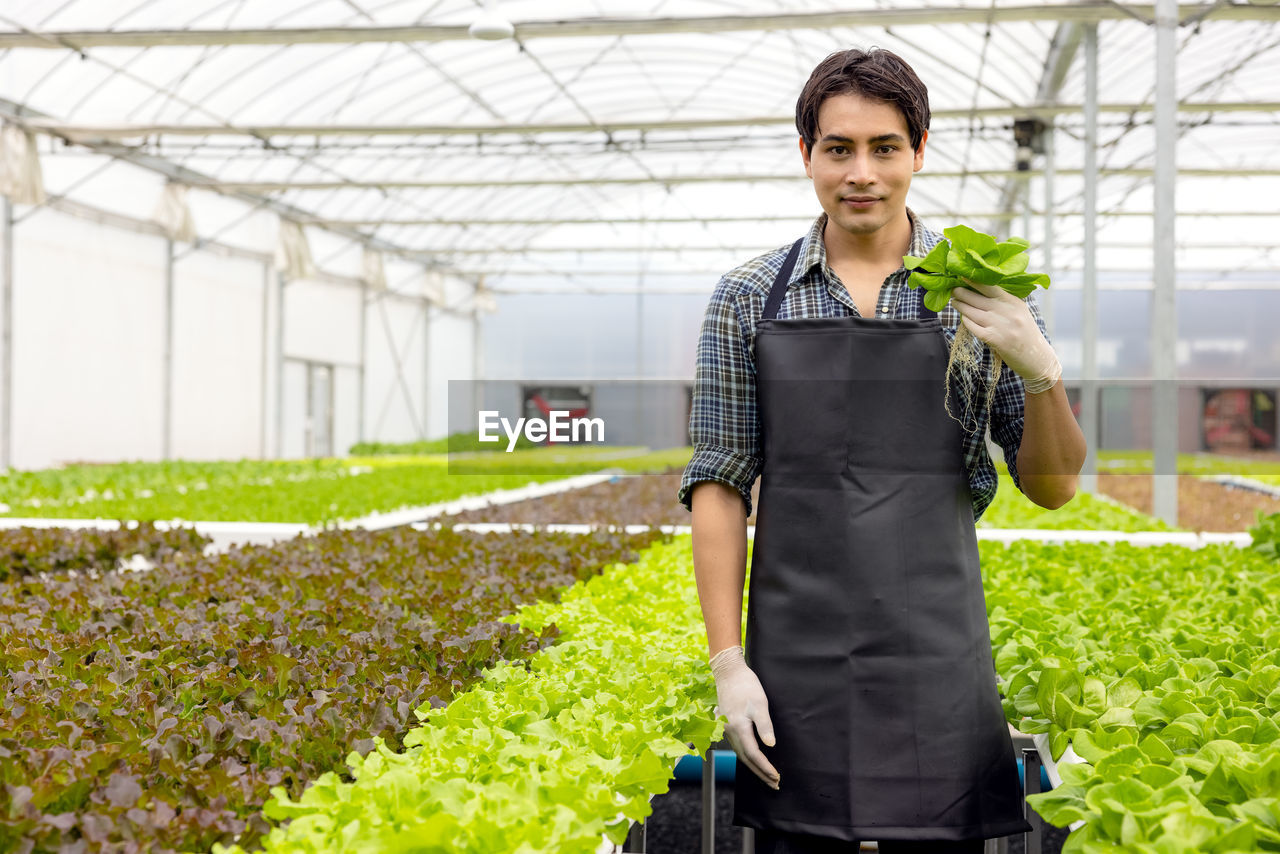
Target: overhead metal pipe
<point x="692" y="220"/>
<point x="114" y="132"/>
<point x="661" y="180"/>
<point x="596" y="27"/>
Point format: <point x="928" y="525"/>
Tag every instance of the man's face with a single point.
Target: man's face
<point x="861" y="162"/>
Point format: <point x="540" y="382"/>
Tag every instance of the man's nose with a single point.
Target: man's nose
<point x="859" y="172"/>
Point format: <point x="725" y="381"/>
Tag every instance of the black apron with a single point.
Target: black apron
<point x="866" y="621"/>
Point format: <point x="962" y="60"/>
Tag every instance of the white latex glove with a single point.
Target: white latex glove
<point x="1004" y="323"/>
<point x="741" y="699"/>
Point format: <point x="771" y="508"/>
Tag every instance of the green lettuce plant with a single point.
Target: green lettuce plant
<point x="967" y="256"/>
<point x="546" y="755"/>
<point x="1160" y="666"/>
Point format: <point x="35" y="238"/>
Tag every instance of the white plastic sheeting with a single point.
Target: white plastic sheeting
<point x="218" y="394"/>
<point x="174" y="214"/>
<point x="88" y="342"/>
<point x="20" y="176"/>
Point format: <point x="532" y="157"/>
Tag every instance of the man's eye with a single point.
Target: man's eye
<point x="887" y="149"/>
<point x="837" y="149"/>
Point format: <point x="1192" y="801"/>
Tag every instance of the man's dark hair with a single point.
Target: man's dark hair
<point x="877" y="74"/>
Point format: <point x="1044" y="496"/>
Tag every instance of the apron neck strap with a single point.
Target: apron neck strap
<point x="780" y="282"/>
<point x="779" y="289"/>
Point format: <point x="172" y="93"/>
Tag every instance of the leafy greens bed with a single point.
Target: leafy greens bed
<point x="301" y="491"/>
<point x="1161" y="667"/>
<point x="152" y="711"/>
<point x="1084" y="512"/>
<point x="544" y="755"/>
<point x="31" y="551"/>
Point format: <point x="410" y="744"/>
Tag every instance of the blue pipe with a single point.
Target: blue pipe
<point x="689" y="769"/>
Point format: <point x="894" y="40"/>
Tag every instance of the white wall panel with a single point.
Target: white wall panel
<point x="393" y="407"/>
<point x="346" y="403"/>
<point x="88" y="338"/>
<point x="295" y="411"/>
<point x="322" y="322"/>
<point x="217" y="357"/>
<point x="451" y="359"/>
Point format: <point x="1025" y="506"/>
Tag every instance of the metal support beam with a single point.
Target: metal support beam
<point x="266" y="401"/>
<point x="1089" y="415"/>
<point x="663" y="180"/>
<point x="166" y="393"/>
<point x="1046" y="245"/>
<point x="6" y="308"/>
<point x="498" y="251"/>
<point x="426" y="369"/>
<point x="364" y="356"/>
<point x="598" y="27"/>
<point x="103" y="133"/>
<point x="1164" y="316"/>
<point x="801" y="217"/>
<point x="1062" y="52"/>
<point x="18" y="113"/>
<point x="280" y="283"/>
<point x="477" y="346"/>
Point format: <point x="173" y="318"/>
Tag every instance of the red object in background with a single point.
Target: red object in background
<point x="1237" y="419"/>
<point x="545" y="408"/>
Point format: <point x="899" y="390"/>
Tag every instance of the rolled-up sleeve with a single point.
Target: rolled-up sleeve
<point x="724" y="423"/>
<point x="1007" y="407"/>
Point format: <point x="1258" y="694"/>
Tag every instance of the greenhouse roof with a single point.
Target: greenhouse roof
<point x="614" y="141"/>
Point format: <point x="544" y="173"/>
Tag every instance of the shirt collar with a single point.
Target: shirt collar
<point x="814" y="252"/>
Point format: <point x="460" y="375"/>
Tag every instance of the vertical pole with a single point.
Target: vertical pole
<point x="364" y="314"/>
<point x="308" y="449"/>
<point x="266" y="300"/>
<point x="1089" y="415"/>
<point x="1164" y="317"/>
<point x="6" y="443"/>
<point x="167" y="391"/>
<point x="1050" y="210"/>
<point x="477" y="342"/>
<point x="426" y="367"/>
<point x="1031" y="842"/>
<point x="709" y="801"/>
<point x="476" y="371"/>
<point x="279" y="364"/>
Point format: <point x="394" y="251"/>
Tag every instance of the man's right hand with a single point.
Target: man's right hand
<point x="741" y="699"/>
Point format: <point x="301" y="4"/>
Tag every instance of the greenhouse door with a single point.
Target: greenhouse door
<point x="319" y="410"/>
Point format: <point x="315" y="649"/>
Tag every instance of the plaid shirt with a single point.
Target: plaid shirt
<point x="725" y="424"/>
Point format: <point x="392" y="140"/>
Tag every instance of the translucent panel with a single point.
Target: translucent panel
<point x="607" y="83"/>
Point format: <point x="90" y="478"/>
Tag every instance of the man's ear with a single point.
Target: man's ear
<point x="804" y="155"/>
<point x="919" y="162"/>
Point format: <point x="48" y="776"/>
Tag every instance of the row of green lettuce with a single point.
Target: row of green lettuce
<point x="1160" y="664"/>
<point x="300" y="491"/>
<point x="1084" y="512"/>
<point x="453" y="443"/>
<point x="549" y="754"/>
<point x="328" y="490"/>
<point x="1160" y="667"/>
<point x="154" y="711"/>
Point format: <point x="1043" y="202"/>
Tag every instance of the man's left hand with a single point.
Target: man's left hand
<point x="1004" y="323"/>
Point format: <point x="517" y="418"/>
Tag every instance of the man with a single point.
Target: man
<point x="867" y="672"/>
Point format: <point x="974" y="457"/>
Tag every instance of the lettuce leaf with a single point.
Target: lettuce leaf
<point x="970" y="255"/>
